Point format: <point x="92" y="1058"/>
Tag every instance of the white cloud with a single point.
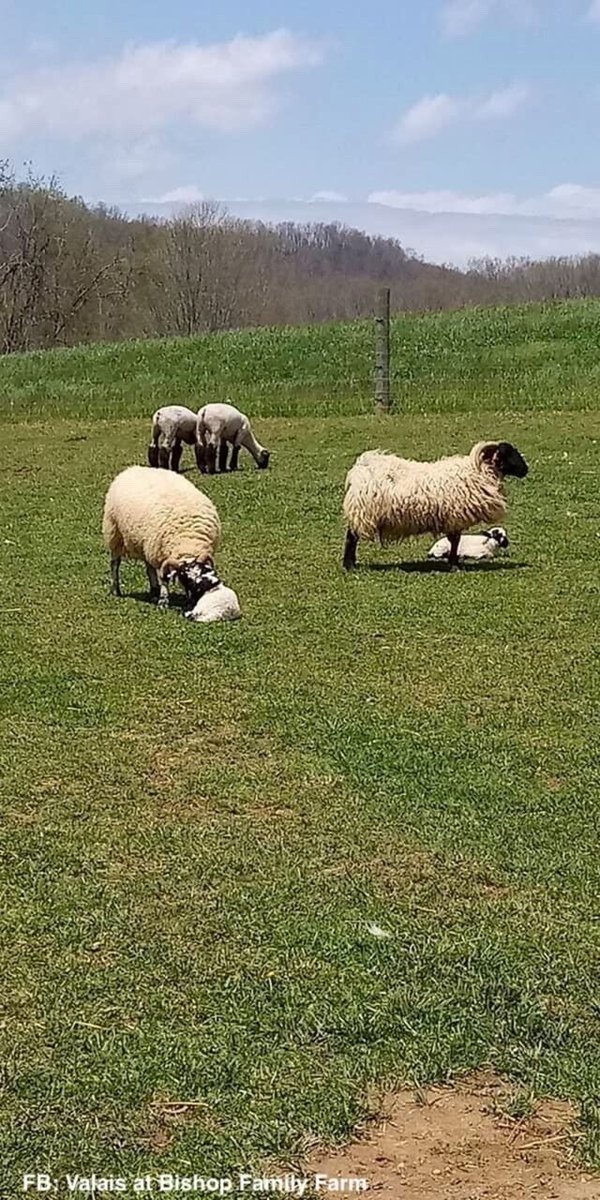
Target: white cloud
<point x="431" y="115"/>
<point x="188" y="194"/>
<point x="225" y="86"/>
<point x="504" y="103"/>
<point x="333" y="197"/>
<point x="461" y="17"/>
<point x="444" y="202"/>
<point x="567" y="201"/>
<point x="427" y="118"/>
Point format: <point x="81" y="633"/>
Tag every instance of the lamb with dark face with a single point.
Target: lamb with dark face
<point x="480" y="546"/>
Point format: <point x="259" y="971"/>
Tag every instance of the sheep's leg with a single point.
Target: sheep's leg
<point x="200" y="457"/>
<point x="176" y="455"/>
<point x="153" y="447"/>
<point x="454" y="539"/>
<point x="223" y="448"/>
<point x="235" y="454"/>
<point x="153" y="580"/>
<point x="115" y="566"/>
<point x="164" y="455"/>
<point x="211" y="458"/>
<point x="350" y="550"/>
<point x="163" y="594"/>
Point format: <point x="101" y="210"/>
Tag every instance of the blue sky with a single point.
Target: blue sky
<point x="476" y="106"/>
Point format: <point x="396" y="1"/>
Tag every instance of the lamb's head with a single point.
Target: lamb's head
<point x="502" y="457"/>
<point x="500" y="536"/>
<point x="195" y="577"/>
<point x="262" y="461"/>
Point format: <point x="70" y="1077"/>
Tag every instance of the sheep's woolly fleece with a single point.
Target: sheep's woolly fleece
<point x="159" y="516"/>
<point x="388" y="498"/>
<point x="216" y="421"/>
<point x="175" y="421"/>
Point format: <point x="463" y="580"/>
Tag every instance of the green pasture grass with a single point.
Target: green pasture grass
<point x="510" y="359"/>
<point x="199" y="824"/>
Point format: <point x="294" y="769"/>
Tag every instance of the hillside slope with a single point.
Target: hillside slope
<point x="514" y="358"/>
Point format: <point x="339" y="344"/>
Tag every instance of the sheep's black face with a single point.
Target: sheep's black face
<point x="263" y="460"/>
<point x="509" y="461"/>
<point x="197" y="578"/>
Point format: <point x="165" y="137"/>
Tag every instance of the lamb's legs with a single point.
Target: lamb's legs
<point x="176" y="455"/>
<point x="200" y="458"/>
<point x="350" y="550"/>
<point x="115" y="565"/>
<point x="454" y="539"/>
<point x="164" y="454"/>
<point x="153" y="447"/>
<point x="233" y="462"/>
<point x="163" y="594"/>
<point x="211" y="458"/>
<point x="153" y="580"/>
<point x="223" y="448"/>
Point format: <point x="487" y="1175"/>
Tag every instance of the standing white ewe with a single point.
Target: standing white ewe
<point x="171" y="426"/>
<point x="221" y="425"/>
<point x="388" y="498"/>
<point x="160" y="518"/>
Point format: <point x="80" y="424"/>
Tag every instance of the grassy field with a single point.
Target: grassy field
<point x="199" y="825"/>
<point x="532" y="358"/>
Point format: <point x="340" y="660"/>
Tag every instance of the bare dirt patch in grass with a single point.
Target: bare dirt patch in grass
<point x="460" y="1143"/>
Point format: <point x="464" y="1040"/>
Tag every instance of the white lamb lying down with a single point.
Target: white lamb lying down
<point x="218" y="604"/>
<point x="473" y="545"/>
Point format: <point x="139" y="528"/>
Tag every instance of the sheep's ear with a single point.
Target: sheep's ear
<point x="489" y="451"/>
<point x="169" y="571"/>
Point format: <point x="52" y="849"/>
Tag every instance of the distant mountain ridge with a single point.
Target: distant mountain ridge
<point x="453" y="238"/>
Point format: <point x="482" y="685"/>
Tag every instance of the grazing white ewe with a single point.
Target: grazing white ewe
<point x="220" y="425"/>
<point x="473" y="545"/>
<point x="388" y="498"/>
<point x="171" y="426"/>
<point x="161" y="519"/>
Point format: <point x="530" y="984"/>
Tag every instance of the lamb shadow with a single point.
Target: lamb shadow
<point x="429" y="566"/>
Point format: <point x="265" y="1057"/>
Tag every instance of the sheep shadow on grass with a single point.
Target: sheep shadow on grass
<point x="176" y="599"/>
<point x="437" y="566"/>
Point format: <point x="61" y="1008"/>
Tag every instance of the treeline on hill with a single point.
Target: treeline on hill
<point x="70" y="273"/>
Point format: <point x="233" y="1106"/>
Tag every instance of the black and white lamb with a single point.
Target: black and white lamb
<point x="484" y="545"/>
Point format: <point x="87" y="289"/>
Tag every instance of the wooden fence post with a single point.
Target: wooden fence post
<point x="382" y="350"/>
